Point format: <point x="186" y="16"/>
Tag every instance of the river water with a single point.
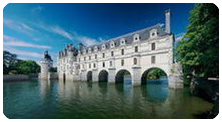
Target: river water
<point x="58" y="99"/>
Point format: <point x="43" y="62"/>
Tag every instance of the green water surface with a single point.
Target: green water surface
<point x="58" y="99"/>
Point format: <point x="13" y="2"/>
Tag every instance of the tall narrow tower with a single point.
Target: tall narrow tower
<point x="46" y="64"/>
<point x="167" y="21"/>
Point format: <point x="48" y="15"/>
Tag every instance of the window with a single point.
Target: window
<point x="84" y="58"/>
<point x="122" y="51"/>
<point x="110" y="63"/>
<point x="94" y="65"/>
<point x="153" y="59"/>
<point x="103" y="55"/>
<point x="89" y="65"/>
<point x="153" y="34"/>
<point x="83" y="66"/>
<point x="122" y="62"/>
<point x="112" y="53"/>
<point x="95" y="56"/>
<point x="135" y="61"/>
<point x="122" y="40"/>
<point x="136" y="49"/>
<point x="103" y="64"/>
<point x="153" y="46"/>
<point x="89" y="57"/>
<point x="79" y="59"/>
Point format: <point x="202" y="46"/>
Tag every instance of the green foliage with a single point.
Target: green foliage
<point x="12" y="65"/>
<point x="155" y="74"/>
<point x="53" y="69"/>
<point x="9" y="61"/>
<point x="27" y="67"/>
<point x="198" y="51"/>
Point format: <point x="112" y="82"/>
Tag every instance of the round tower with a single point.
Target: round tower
<point x="46" y="64"/>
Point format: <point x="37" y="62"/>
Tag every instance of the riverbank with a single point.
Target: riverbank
<point x="19" y="77"/>
<point x="208" y="90"/>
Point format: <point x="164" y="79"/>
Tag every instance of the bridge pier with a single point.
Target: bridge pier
<point x="95" y="75"/>
<point x="111" y="76"/>
<point x="175" y="81"/>
<point x="84" y="75"/>
<point x="136" y="77"/>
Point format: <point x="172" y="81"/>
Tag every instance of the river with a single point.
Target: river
<point x="58" y="99"/>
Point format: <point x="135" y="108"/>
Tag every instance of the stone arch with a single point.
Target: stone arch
<point x="103" y="76"/>
<point x="119" y="77"/>
<point x="89" y="76"/>
<point x="145" y="73"/>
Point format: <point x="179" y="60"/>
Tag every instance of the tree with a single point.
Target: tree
<point x="9" y="61"/>
<point x="155" y="74"/>
<point x="27" y="67"/>
<point x="198" y="51"/>
<point x="53" y="69"/>
<point x="12" y="65"/>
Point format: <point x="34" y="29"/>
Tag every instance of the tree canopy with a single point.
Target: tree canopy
<point x="198" y="51"/>
<point x="12" y="65"/>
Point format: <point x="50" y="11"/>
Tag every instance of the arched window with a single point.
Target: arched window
<point x="153" y="59"/>
<point x="122" y="62"/>
<point x="153" y="46"/>
<point x="103" y="64"/>
<point x="136" y="48"/>
<point x="89" y="65"/>
<point x="112" y="53"/>
<point x="135" y="61"/>
<point x="110" y="63"/>
<point x="122" y="51"/>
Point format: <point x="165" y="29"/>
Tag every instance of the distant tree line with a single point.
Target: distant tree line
<point x="13" y="65"/>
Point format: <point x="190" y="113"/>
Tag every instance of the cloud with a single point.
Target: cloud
<point x="178" y="37"/>
<point x="11" y="41"/>
<point x="72" y="36"/>
<point x="86" y="40"/>
<point x="22" y="52"/>
<point x="18" y="26"/>
<point x="62" y="32"/>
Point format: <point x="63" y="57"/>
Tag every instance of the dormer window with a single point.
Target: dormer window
<point x="136" y="38"/>
<point x="84" y="51"/>
<point x="112" y="44"/>
<point x="153" y="33"/>
<point x="122" y="41"/>
<point x="95" y="48"/>
<point x="89" y="50"/>
<point x="103" y="46"/>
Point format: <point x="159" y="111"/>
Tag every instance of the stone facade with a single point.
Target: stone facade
<point x="136" y="53"/>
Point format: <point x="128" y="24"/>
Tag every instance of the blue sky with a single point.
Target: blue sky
<point x="30" y="29"/>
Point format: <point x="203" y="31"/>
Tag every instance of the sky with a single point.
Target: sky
<point x="31" y="29"/>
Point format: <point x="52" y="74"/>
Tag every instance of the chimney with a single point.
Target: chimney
<point x="167" y="21"/>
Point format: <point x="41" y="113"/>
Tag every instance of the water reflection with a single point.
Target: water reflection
<point x="60" y="99"/>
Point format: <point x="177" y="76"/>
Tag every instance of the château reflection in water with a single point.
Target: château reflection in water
<point x="59" y="99"/>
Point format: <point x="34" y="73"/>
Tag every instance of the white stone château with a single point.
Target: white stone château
<point x="135" y="53"/>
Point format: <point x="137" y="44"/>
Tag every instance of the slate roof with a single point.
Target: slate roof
<point x="143" y="33"/>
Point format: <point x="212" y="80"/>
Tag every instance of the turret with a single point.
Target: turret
<point x="46" y="64"/>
